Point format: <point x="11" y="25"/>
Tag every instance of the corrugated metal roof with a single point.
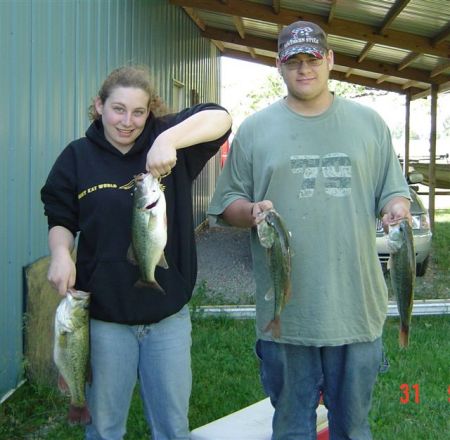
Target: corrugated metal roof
<point x="406" y="40"/>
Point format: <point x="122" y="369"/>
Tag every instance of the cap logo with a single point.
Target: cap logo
<point x="301" y="35"/>
<point x="302" y="31"/>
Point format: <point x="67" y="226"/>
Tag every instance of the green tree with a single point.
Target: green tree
<point x="272" y="89"/>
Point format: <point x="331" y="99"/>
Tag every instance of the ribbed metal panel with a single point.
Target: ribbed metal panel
<point x="424" y="17"/>
<point x="54" y="56"/>
<point x="14" y="183"/>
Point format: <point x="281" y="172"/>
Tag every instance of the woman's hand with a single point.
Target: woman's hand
<point x="162" y="156"/>
<point x="61" y="272"/>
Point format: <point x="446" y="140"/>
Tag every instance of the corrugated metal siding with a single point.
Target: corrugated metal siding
<point x="15" y="140"/>
<point x="55" y="55"/>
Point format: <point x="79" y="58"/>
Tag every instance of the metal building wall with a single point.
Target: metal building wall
<point x="54" y="56"/>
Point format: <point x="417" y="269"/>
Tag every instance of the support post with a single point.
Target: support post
<point x="432" y="164"/>
<point x="407" y="126"/>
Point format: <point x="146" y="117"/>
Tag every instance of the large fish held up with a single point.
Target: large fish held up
<point x="274" y="236"/>
<point x="402" y="267"/>
<point x="71" y="351"/>
<point x="148" y="229"/>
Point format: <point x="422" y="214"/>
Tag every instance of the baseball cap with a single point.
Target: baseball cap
<point x="302" y="37"/>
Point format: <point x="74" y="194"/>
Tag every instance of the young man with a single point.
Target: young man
<point x="327" y="166"/>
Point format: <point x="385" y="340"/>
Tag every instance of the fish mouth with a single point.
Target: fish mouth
<point x="152" y="205"/>
<point x="78" y="294"/>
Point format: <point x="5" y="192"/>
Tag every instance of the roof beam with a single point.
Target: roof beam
<point x="440" y="69"/>
<point x="219" y="45"/>
<point x="195" y="18"/>
<point x="388" y="69"/>
<point x="409" y="59"/>
<point x="239" y="24"/>
<point x="444" y="87"/>
<point x="365" y="51"/>
<point x="393" y="14"/>
<point x="276" y="6"/>
<point x="339" y="76"/>
<point x="332" y="11"/>
<point x="345" y="28"/>
<point x="382" y="78"/>
<point x="442" y="35"/>
<point x="340" y="59"/>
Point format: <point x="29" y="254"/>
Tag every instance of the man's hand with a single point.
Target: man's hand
<point x="396" y="209"/>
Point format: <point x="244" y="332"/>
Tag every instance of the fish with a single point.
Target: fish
<point x="402" y="267"/>
<point x="275" y="237"/>
<point x="71" y="352"/>
<point x="148" y="229"/>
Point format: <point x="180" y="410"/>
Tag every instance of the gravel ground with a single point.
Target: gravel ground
<point x="225" y="264"/>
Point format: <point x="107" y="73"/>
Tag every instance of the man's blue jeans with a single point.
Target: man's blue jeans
<point x="158" y="355"/>
<point x="294" y="375"/>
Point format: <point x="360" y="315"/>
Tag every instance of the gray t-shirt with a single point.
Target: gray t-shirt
<point x="328" y="176"/>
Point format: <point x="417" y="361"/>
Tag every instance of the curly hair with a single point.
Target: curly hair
<point x="129" y="76"/>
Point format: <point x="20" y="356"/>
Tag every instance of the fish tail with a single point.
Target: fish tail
<point x="79" y="415"/>
<point x="275" y="327"/>
<point x="404" y="335"/>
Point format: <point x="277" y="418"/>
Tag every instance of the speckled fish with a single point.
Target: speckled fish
<point x="274" y="236"/>
<point x="71" y="351"/>
<point x="148" y="229"/>
<point x="402" y="265"/>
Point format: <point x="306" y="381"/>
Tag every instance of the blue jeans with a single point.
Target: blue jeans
<point x="294" y="375"/>
<point x="158" y="355"/>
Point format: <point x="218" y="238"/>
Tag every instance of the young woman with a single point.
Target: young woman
<point x="137" y="334"/>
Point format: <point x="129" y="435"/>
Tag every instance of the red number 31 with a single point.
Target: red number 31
<point x="405" y="398"/>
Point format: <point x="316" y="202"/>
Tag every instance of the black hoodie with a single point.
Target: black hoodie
<point x="83" y="194"/>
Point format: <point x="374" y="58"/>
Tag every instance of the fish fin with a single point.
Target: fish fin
<point x="275" y="327"/>
<point x="288" y="295"/>
<point x="269" y="294"/>
<point x="404" y="336"/>
<point x="62" y="385"/>
<point x="162" y="262"/>
<point x="152" y="284"/>
<point x="131" y="257"/>
<point x="79" y="415"/>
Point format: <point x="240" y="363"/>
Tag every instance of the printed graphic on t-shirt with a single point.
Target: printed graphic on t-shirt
<point x="334" y="168"/>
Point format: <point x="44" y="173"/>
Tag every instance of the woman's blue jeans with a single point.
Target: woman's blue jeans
<point x="158" y="355"/>
<point x="293" y="377"/>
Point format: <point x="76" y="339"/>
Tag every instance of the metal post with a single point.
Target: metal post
<point x="432" y="164"/>
<point x="407" y="125"/>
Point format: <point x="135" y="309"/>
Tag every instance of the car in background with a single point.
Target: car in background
<point x="421" y="231"/>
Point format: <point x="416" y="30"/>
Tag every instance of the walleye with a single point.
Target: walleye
<point x="402" y="265"/>
<point x="148" y="229"/>
<point x="71" y="351"/>
<point x="274" y="236"/>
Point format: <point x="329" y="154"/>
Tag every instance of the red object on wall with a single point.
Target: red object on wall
<point x="224" y="149"/>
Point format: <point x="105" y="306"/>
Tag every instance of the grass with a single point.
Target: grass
<point x="424" y="367"/>
<point x="226" y="373"/>
<point x="226" y="379"/>
<point x="435" y="283"/>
